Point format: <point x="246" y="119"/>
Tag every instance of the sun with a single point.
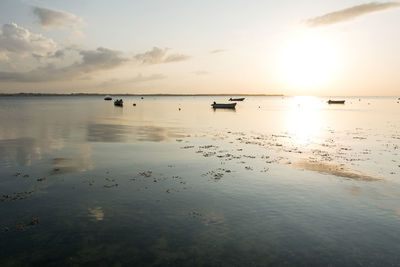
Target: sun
<point x="308" y="61"/>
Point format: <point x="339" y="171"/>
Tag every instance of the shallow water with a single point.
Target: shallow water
<point x="280" y="181"/>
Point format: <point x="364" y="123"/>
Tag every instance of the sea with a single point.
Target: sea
<point x="168" y="180"/>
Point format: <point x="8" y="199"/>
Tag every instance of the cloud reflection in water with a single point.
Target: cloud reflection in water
<point x="124" y="133"/>
<point x="96" y="213"/>
<point x="20" y="150"/>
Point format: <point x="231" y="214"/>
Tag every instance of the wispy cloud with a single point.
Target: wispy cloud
<point x="176" y="58"/>
<point x="350" y="13"/>
<point x="216" y="51"/>
<point x="201" y="72"/>
<point x="158" y="56"/>
<point x="50" y="18"/>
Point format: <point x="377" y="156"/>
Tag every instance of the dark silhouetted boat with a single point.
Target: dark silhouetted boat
<point x="236" y="99"/>
<point x="119" y="102"/>
<point x="336" y="101"/>
<point x="107" y="97"/>
<point x="230" y="105"/>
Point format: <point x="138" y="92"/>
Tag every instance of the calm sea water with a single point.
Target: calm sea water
<point x="288" y="181"/>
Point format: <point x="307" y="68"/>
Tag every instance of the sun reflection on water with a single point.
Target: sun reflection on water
<point x="303" y="120"/>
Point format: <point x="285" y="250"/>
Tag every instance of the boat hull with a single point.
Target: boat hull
<point x="119" y="103"/>
<point x="236" y="99"/>
<point x="230" y="105"/>
<point x="336" y="101"/>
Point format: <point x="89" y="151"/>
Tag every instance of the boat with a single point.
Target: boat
<point x="107" y="97"/>
<point x="119" y="102"/>
<point x="236" y="99"/>
<point x="336" y="101"/>
<point x="219" y="105"/>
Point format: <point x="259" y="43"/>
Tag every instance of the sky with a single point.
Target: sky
<point x="302" y="47"/>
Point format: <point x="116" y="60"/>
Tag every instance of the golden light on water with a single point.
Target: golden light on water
<point x="308" y="61"/>
<point x="304" y="121"/>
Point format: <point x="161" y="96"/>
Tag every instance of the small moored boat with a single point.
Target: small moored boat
<point x="119" y="102"/>
<point x="230" y="105"/>
<point x="107" y="97"/>
<point x="336" y="101"/>
<point x="236" y="99"/>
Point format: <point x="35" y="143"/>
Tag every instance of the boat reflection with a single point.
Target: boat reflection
<point x="223" y="109"/>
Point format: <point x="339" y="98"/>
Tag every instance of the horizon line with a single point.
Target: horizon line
<point x="163" y="94"/>
<point x="128" y="94"/>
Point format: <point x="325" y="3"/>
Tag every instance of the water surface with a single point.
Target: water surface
<point x="280" y="181"/>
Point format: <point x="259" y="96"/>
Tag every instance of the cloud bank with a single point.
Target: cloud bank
<point x="350" y="13"/>
<point x="50" y="18"/>
<point x="16" y="39"/>
<point x="18" y="43"/>
<point x="91" y="61"/>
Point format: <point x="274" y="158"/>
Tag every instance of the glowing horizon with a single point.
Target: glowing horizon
<point x="330" y="48"/>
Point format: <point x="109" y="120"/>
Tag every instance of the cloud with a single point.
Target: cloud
<point x="350" y="13"/>
<point x="216" y="51"/>
<point x="50" y="55"/>
<point x="201" y="72"/>
<point x="57" y="54"/>
<point x="101" y="58"/>
<point x="154" y="56"/>
<point x="18" y="40"/>
<point x="50" y="18"/>
<point x="158" y="56"/>
<point x="176" y="58"/>
<point x="92" y="61"/>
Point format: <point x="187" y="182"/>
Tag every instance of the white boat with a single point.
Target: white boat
<point x="107" y="97"/>
<point x="219" y="105"/>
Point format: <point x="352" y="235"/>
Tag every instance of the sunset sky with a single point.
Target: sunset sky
<point x="304" y="47"/>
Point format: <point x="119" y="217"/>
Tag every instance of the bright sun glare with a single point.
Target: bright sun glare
<point x="303" y="120"/>
<point x="308" y="61"/>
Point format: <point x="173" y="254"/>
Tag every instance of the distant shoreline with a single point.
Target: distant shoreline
<point x="95" y="94"/>
<point x="174" y="95"/>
